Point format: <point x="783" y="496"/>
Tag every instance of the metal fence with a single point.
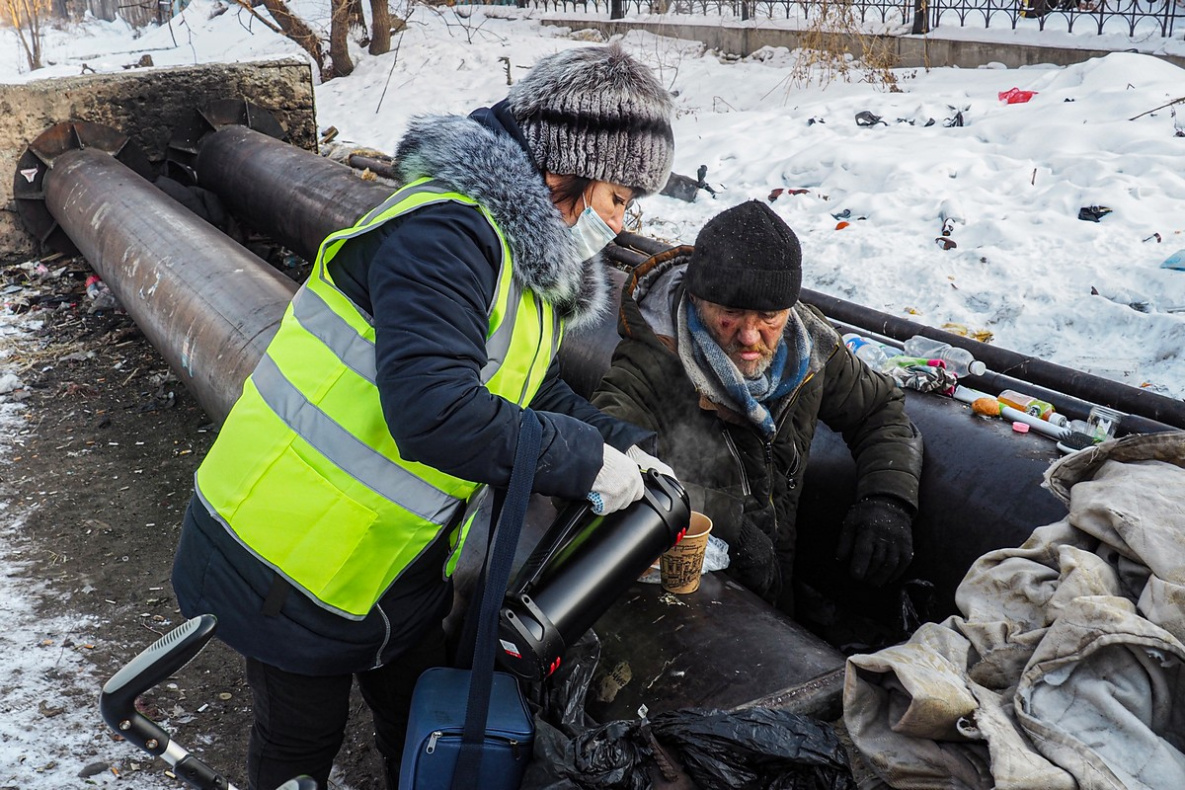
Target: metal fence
<point x="1150" y="17"/>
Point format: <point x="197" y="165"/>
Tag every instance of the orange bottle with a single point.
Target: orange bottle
<point x="1026" y="403"/>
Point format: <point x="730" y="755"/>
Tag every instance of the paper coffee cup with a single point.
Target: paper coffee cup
<point x="683" y="563"/>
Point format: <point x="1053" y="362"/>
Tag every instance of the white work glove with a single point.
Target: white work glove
<point x="646" y="461"/>
<point x="618" y="484"/>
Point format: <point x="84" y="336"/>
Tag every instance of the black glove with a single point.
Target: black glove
<point x="753" y="561"/>
<point x="877" y="535"/>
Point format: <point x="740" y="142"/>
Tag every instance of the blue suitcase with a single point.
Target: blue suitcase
<point x="434" y="732"/>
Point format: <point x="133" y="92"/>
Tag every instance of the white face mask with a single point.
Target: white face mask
<point x="592" y="234"/>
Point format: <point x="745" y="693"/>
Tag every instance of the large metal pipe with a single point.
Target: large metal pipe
<point x="1083" y="386"/>
<point x="207" y="305"/>
<point x="297" y="197"/>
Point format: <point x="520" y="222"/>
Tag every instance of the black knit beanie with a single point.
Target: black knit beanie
<point x="746" y="258"/>
<point x="597" y="113"/>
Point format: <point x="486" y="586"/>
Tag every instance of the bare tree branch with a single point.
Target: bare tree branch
<point x="296" y="29"/>
<point x="267" y="22"/>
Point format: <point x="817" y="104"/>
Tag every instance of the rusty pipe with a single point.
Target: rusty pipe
<point x="206" y="304"/>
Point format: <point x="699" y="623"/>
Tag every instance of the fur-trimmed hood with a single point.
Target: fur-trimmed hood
<point x="491" y="166"/>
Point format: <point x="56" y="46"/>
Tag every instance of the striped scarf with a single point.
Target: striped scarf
<point x="717" y="378"/>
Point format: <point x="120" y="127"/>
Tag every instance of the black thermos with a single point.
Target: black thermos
<point x="578" y="570"/>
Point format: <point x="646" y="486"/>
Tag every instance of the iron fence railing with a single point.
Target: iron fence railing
<point x="1129" y="17"/>
<point x="1103" y="16"/>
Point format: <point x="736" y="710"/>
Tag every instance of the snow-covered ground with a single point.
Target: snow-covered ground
<point x="1011" y="180"/>
<point x="1014" y="176"/>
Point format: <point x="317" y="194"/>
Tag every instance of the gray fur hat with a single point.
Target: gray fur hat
<point x="596" y="112"/>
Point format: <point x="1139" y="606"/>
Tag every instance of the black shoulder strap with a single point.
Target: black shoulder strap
<point x="503" y="540"/>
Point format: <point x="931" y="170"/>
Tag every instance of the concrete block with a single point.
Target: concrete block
<point x="146" y="105"/>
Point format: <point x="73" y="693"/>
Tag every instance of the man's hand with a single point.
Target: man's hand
<point x="753" y="561"/>
<point x="877" y="536"/>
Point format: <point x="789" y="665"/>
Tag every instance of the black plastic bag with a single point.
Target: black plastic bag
<point x="755" y="749"/>
<point x="751" y="749"/>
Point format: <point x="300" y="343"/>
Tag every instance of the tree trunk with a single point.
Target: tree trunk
<point x="35" y="33"/>
<point x="295" y="29"/>
<point x="339" y="39"/>
<point x="380" y="27"/>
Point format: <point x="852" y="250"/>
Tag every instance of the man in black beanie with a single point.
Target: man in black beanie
<point x="733" y="373"/>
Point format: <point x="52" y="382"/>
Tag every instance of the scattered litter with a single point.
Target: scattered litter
<point x="9" y="382"/>
<point x="946" y="242"/>
<point x="813" y="121"/>
<point x="686" y="188"/>
<point x="93" y="769"/>
<point x="841" y="225"/>
<point x="847" y="214"/>
<point x="1093" y="213"/>
<point x="866" y="118"/>
<point x="49" y="711"/>
<point x="1154" y="236"/>
<point x="100" y="295"/>
<point x="1176" y="261"/>
<point x="962" y="330"/>
<point x="782" y="191"/>
<point x="1020" y="427"/>
<point x="954" y="120"/>
<point x="1016" y="96"/>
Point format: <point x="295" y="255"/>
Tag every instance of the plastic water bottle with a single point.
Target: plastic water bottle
<point x="872" y="354"/>
<point x="959" y="361"/>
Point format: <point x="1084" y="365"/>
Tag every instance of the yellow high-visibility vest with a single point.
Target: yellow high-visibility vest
<point x="304" y="472"/>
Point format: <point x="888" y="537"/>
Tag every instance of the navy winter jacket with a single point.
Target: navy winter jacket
<point x="428" y="279"/>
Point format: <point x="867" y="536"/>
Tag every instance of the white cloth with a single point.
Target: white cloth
<point x="618" y="484"/>
<point x="646" y="461"/>
<point x="1067" y="668"/>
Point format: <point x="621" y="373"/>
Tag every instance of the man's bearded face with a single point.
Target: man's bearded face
<point x="750" y="338"/>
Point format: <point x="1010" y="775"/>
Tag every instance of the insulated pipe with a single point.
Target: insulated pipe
<point x="1067" y="405"/>
<point x="207" y="305"/>
<point x="297" y="197"/>
<point x="1084" y="386"/>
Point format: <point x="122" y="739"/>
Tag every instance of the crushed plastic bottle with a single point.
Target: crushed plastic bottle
<point x="959" y="361"/>
<point x="872" y="354"/>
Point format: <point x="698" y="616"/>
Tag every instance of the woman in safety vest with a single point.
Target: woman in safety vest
<point x="328" y="516"/>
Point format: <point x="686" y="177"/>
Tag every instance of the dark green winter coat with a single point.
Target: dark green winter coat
<point x="750" y="487"/>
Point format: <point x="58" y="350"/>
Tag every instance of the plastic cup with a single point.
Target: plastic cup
<point x="1102" y="423"/>
<point x="683" y="563"/>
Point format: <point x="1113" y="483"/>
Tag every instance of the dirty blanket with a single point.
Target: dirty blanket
<point x="1065" y="669"/>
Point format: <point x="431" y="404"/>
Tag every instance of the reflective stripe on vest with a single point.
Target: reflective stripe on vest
<point x="305" y="473"/>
